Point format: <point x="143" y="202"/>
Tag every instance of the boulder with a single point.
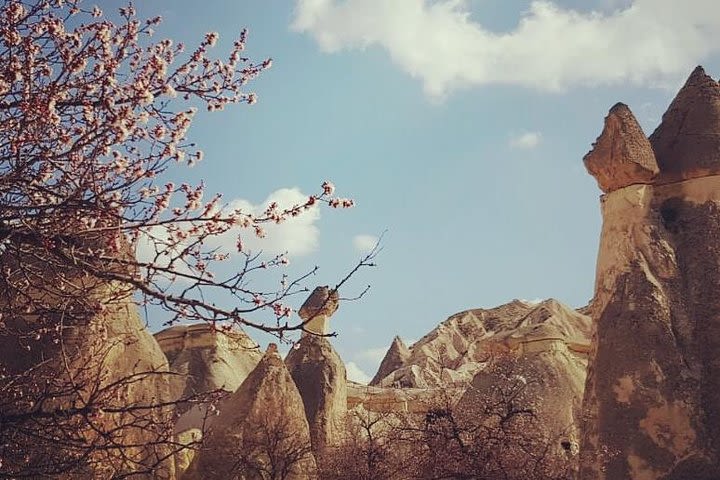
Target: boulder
<point x="317" y="310"/>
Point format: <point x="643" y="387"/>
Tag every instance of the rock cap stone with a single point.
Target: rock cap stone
<point x="622" y="155"/>
<point x="317" y="310"/>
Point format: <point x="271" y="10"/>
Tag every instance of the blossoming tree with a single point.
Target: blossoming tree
<point x="93" y="123"/>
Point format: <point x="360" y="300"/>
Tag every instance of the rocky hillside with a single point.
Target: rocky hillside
<point x="467" y="342"/>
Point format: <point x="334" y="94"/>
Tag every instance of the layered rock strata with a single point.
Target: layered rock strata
<point x="652" y="398"/>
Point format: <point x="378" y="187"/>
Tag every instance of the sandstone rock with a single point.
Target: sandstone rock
<point x="317" y="310"/>
<point x="206" y="359"/>
<point x="210" y="358"/>
<point x="652" y="397"/>
<point x="398" y="400"/>
<point x="68" y="340"/>
<point x="549" y="383"/>
<point x="467" y="342"/>
<point x="261" y="428"/>
<point x="320" y="376"/>
<point x="622" y="155"/>
<point x="687" y="142"/>
<point x="395" y="358"/>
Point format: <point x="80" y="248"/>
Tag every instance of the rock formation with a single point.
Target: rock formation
<point x="652" y="398"/>
<point x="398" y="400"/>
<point x="622" y="155"/>
<point x="317" y="310"/>
<point x="547" y="383"/>
<point x="468" y="341"/>
<point x="206" y="360"/>
<point x="320" y="376"/>
<point x="261" y="428"/>
<point x="209" y="358"/>
<point x="395" y="358"/>
<point x="687" y="142"/>
<point x="84" y="379"/>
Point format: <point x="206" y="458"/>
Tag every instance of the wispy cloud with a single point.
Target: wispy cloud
<point x="364" y="243"/>
<point x="356" y="374"/>
<point x="534" y="301"/>
<point x="641" y="42"/>
<point x="526" y="140"/>
<point x="374" y="355"/>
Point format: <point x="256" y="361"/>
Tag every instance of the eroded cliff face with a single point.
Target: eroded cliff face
<point x="652" y="397"/>
<point x="395" y="358"/>
<point x="549" y="383"/>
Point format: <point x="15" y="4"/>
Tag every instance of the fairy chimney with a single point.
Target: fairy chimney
<point x="651" y="406"/>
<point x="317" y="310"/>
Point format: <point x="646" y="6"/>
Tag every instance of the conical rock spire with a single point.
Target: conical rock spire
<point x="687" y="142"/>
<point x="262" y="426"/>
<point x="394" y="358"/>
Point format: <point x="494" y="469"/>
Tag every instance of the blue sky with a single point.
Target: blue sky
<point x="458" y="127"/>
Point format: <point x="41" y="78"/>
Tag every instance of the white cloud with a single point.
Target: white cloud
<point x="364" y="243"/>
<point x="297" y="236"/>
<point x="534" y="301"/>
<point x="373" y="354"/>
<point x="152" y="248"/>
<point x="526" y="141"/>
<point x="643" y="42"/>
<point x="356" y="374"/>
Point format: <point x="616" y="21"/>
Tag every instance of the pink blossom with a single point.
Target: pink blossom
<point x="328" y="188"/>
<point x="211" y="38"/>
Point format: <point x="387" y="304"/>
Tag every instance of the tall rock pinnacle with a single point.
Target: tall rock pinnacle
<point x="320" y="376"/>
<point x="622" y="155"/>
<point x="651" y="406"/>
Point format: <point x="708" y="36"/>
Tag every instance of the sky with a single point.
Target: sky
<point x="458" y="127"/>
